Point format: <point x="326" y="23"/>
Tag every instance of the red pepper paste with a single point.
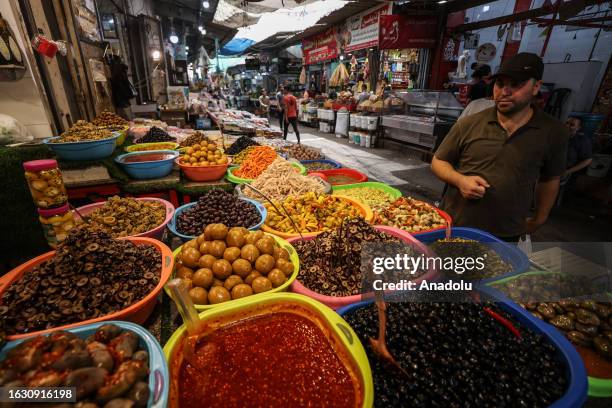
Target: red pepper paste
<point x="146" y="157"/>
<point x="596" y="366"/>
<point x="272" y="360"/>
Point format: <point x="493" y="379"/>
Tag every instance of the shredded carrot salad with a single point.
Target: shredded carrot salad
<point x="256" y="162"/>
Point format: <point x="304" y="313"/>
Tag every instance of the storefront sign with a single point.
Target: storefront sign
<point x="362" y="30"/>
<point x="407" y="32"/>
<point x="321" y="47"/>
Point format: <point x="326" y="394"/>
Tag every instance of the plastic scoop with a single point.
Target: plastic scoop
<point x="380" y="345"/>
<point x="188" y="312"/>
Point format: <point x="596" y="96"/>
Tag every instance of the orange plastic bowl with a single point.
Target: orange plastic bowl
<point x="203" y="173"/>
<point x="136" y="313"/>
<point x="364" y="210"/>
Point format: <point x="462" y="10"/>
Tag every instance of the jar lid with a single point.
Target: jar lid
<point x="38" y="165"/>
<point x="50" y="212"/>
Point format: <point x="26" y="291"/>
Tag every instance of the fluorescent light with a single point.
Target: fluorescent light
<point x="205" y="4"/>
<point x="442" y="2"/>
<point x="485" y="8"/>
<point x="174" y="39"/>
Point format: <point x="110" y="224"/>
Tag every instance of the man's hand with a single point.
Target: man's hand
<point x="533" y="224"/>
<point x="472" y="187"/>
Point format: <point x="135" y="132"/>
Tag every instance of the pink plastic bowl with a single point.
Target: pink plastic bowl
<point x="156" y="232"/>
<point x="338" y="302"/>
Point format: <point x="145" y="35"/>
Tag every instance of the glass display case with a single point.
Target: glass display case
<point x="421" y="118"/>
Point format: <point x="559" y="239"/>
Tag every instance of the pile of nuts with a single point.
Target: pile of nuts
<point x="301" y="152"/>
<point x="110" y="121"/>
<point x="91" y="275"/>
<point x="156" y="134"/>
<point x="230" y="263"/>
<point x="456" y="355"/>
<point x="122" y="217"/>
<point x="195" y="138"/>
<point x="107" y="369"/>
<point x="334" y="262"/>
<point x="83" y="131"/>
<point x="217" y="206"/>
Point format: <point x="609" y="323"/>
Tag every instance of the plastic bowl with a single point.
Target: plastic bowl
<point x="151" y="146"/>
<point x="337" y="302"/>
<point x="151" y="169"/>
<point x="239" y="180"/>
<point x="172" y="225"/>
<point x="282" y="288"/>
<point x="122" y="134"/>
<point x="576" y="393"/>
<point x="364" y="211"/>
<point x="598" y="387"/>
<point x="203" y="173"/>
<point x="393" y="192"/>
<point x="357" y="176"/>
<point x="335" y="326"/>
<point x="86" y="150"/>
<point x="333" y="163"/>
<point x="159" y="376"/>
<point x="507" y="252"/>
<point x="156" y="232"/>
<point x="136" y="313"/>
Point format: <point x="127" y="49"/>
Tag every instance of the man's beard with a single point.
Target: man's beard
<point x="514" y="108"/>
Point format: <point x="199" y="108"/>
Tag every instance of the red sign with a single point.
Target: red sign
<point x="398" y="31"/>
<point x="321" y="47"/>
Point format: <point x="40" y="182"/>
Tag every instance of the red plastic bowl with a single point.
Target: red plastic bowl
<point x="338" y="302"/>
<point x="357" y="176"/>
<point x="204" y="173"/>
<point x="156" y="232"/>
<point x="137" y="313"/>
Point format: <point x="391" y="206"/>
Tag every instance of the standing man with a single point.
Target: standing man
<point x="291" y="114"/>
<point x="264" y="103"/>
<point x="494" y="161"/>
<point x="579" y="149"/>
<point x="281" y="106"/>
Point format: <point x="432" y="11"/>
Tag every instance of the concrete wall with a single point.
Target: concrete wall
<point x="20" y="99"/>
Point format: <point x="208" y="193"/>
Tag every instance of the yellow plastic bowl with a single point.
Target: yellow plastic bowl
<point x="293" y="256"/>
<point x="339" y="328"/>
<point x="364" y="210"/>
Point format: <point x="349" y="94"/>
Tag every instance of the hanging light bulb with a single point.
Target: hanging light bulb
<point x="156" y="55"/>
<point x="200" y="28"/>
<point x="203" y="31"/>
<point x="205" y="4"/>
<point x="174" y="38"/>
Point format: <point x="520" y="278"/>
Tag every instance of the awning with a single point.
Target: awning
<point x="236" y="46"/>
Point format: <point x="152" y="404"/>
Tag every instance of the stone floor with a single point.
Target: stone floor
<point x="578" y="219"/>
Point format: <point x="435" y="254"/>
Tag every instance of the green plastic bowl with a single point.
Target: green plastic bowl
<point x="598" y="387"/>
<point x="394" y="193"/>
<point x="238" y="180"/>
<point x="337" y="325"/>
<point x="293" y="256"/>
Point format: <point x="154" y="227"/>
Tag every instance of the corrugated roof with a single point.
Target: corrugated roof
<point x="271" y="42"/>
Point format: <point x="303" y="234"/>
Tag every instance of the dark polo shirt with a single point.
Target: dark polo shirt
<point x="478" y="146"/>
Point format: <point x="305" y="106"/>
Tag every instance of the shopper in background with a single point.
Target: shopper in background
<point x="291" y="114"/>
<point x="494" y="161"/>
<point x="280" y="97"/>
<point x="579" y="148"/>
<point x="478" y="105"/>
<point x="482" y="77"/>
<point x="264" y="103"/>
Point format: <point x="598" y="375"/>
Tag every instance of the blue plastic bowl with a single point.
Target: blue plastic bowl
<point x="159" y="376"/>
<point x="507" y="252"/>
<point x="333" y="163"/>
<point x="172" y="225"/>
<point x="576" y="394"/>
<point x="86" y="150"/>
<point x="148" y="169"/>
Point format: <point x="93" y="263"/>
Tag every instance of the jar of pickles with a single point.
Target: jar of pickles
<point x="56" y="223"/>
<point x="46" y="184"/>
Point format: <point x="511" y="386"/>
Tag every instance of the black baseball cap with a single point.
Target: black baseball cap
<point x="522" y="66"/>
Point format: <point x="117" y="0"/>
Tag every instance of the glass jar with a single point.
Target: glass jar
<point x="45" y="183"/>
<point x="56" y="223"/>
